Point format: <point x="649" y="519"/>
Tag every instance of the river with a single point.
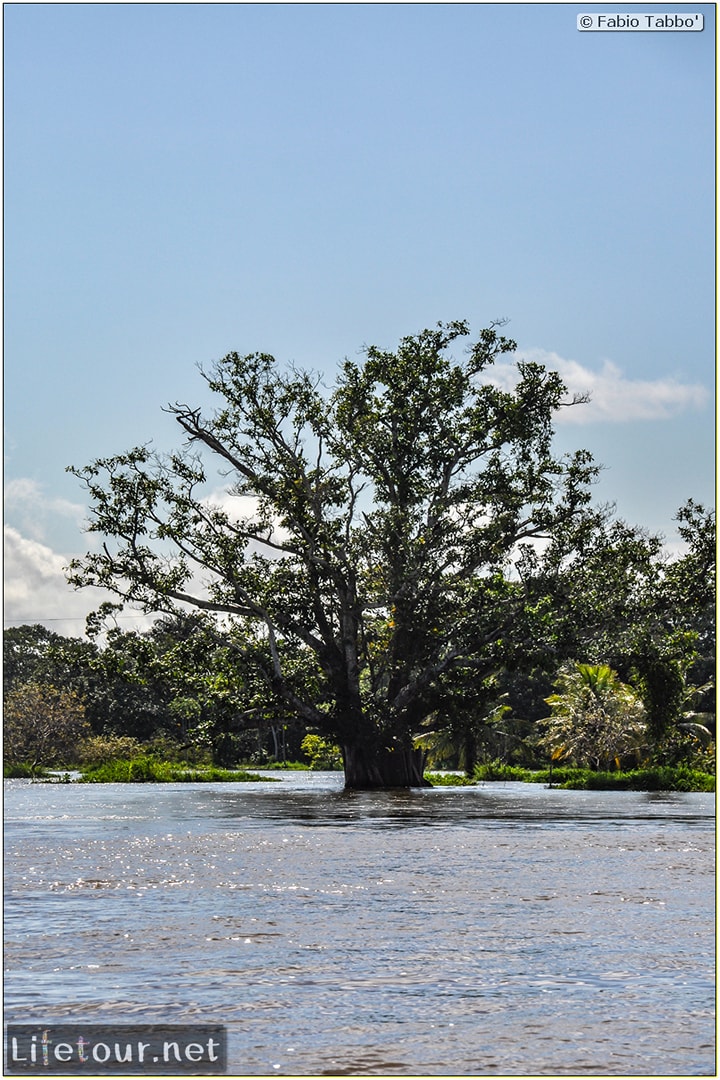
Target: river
<point x="503" y="929"/>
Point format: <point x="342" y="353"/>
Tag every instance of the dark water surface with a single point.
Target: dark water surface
<point x="503" y="929"/>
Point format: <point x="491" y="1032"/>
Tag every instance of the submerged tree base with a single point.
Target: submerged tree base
<point x="366" y="771"/>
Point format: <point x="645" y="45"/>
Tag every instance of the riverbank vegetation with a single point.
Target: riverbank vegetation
<point x="588" y="740"/>
<point x="402" y="576"/>
<point x="658" y="778"/>
<point x="146" y="769"/>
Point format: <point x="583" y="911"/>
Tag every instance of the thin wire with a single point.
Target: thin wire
<point x="64" y="618"/>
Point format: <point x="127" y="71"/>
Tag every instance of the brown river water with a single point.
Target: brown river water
<point x="505" y="929"/>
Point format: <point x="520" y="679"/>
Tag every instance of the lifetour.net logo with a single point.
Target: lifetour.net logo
<point x="115" y="1050"/>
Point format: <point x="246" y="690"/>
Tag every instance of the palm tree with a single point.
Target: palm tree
<point x="595" y="718"/>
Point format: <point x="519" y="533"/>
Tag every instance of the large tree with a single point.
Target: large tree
<point x="372" y="571"/>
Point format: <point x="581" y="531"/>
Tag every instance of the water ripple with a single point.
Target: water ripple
<point x="459" y="931"/>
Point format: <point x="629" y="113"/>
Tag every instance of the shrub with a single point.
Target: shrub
<point x="147" y="769"/>
<point x="22" y="770"/>
<point x="448" y="779"/>
<point x="682" y="747"/>
<point x="497" y="770"/>
<point x="658" y="778"/>
<point x="164" y="747"/>
<point x="321" y="753"/>
<point x="100" y="749"/>
<point x="43" y="725"/>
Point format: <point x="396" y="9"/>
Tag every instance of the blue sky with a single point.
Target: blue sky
<point x="182" y="180"/>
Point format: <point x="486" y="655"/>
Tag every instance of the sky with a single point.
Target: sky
<point x="186" y="180"/>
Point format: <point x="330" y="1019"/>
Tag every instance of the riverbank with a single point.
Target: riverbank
<point x="149" y="769"/>
<point x="140" y="770"/>
<point x="656" y="778"/>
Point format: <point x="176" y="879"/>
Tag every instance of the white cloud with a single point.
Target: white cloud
<point x="33" y="508"/>
<point x="35" y="586"/>
<point x="244" y="507"/>
<point x="36" y="590"/>
<point x="614" y="398"/>
<point x="237" y="507"/>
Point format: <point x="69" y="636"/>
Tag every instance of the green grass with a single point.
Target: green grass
<point x="21" y="770"/>
<point x="496" y="770"/>
<point x="448" y="779"/>
<point x="150" y="770"/>
<point x="657" y="778"/>
<point x="281" y="765"/>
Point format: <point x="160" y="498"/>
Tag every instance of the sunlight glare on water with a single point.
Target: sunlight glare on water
<point x="496" y="929"/>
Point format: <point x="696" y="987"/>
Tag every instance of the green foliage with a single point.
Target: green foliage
<point x="147" y="769"/>
<point x="448" y="779"/>
<point x="476" y="719"/>
<point x="619" y="600"/>
<point x="289" y="766"/>
<point x="104" y="749"/>
<point x="679" y="778"/>
<point x="370" y="579"/>
<point x="166" y="748"/>
<point x="115" y="686"/>
<point x="377" y="582"/>
<point x="26" y="651"/>
<point x="321" y="754"/>
<point x="661" y="683"/>
<point x="23" y="770"/>
<point x="132" y="770"/>
<point x="662" y="778"/>
<point x="499" y="770"/>
<point x="690" y="579"/>
<point x="685" y="747"/>
<point x="596" y="719"/>
<point x="43" y="725"/>
<point x="101" y="749"/>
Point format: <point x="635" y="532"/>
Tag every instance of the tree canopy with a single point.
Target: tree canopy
<point x="380" y="557"/>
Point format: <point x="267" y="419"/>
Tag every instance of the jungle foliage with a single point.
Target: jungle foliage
<point x="402" y="566"/>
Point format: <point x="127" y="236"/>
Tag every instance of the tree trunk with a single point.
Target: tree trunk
<point x="366" y="768"/>
<point x="470" y="751"/>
